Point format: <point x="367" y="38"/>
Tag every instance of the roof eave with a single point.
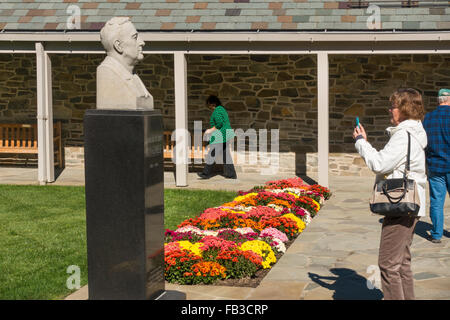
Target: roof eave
<point x="236" y="36"/>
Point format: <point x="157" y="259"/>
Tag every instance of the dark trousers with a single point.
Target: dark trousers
<point x="219" y="153"/>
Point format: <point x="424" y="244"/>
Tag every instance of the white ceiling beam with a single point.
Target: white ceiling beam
<point x="236" y="36"/>
<point x="240" y="43"/>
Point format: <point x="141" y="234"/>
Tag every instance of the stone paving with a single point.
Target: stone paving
<point x="332" y="259"/>
<point x="338" y="253"/>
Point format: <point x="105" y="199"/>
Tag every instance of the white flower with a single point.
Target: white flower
<point x="293" y="190"/>
<point x="189" y="228"/>
<point x="197" y="231"/>
<point x="209" y="232"/>
<point x="307" y="218"/>
<point x="279" y="245"/>
<point x="243" y="208"/>
<point x="277" y="190"/>
<point x="277" y="208"/>
<point x="244" y="231"/>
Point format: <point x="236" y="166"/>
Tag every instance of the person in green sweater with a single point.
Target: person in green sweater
<point x="219" y="143"/>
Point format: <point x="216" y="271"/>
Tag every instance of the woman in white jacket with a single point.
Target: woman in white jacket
<point x="394" y="258"/>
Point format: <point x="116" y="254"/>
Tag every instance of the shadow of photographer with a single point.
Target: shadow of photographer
<point x="347" y="285"/>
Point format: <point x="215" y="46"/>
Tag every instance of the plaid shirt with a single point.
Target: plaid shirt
<point x="437" y="126"/>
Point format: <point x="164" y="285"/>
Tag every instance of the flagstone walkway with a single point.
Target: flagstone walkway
<point x="338" y="252"/>
<point x="332" y="259"/>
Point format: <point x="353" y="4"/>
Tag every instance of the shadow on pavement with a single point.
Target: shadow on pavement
<point x="307" y="179"/>
<point x="347" y="285"/>
<point x="422" y="229"/>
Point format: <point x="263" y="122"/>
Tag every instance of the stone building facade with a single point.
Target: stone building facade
<point x="259" y="92"/>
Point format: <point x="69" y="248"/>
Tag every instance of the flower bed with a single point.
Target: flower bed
<point x="240" y="238"/>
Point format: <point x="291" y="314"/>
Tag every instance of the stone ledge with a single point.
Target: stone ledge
<point x="340" y="164"/>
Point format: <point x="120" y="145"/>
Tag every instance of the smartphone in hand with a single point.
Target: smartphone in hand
<point x="357" y="122"/>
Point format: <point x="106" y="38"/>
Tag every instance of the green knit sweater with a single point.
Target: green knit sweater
<point x="220" y="120"/>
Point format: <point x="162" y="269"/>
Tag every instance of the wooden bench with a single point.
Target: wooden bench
<point x="22" y="139"/>
<point x="195" y="152"/>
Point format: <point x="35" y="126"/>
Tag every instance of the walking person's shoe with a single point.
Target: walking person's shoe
<point x="430" y="238"/>
<point x="202" y="175"/>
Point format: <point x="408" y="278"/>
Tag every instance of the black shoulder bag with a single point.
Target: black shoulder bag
<point x="396" y="197"/>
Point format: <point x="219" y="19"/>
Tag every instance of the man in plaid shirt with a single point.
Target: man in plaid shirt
<point x="437" y="126"/>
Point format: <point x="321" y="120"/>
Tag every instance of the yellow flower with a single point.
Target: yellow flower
<point x="295" y="195"/>
<point x="248" y="195"/>
<point x="239" y="212"/>
<point x="300" y="224"/>
<point x="193" y="247"/>
<point x="318" y="205"/>
<point x="262" y="249"/>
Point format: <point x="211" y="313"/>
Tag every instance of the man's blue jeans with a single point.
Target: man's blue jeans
<point x="439" y="187"/>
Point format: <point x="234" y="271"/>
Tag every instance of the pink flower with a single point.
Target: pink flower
<point x="212" y="214"/>
<point x="260" y="212"/>
<point x="286" y="183"/>
<point x="216" y="242"/>
<point x="299" y="211"/>
<point x="274" y="233"/>
<point x="171" y="246"/>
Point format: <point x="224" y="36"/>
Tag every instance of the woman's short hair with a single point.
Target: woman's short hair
<point x="213" y="100"/>
<point x="409" y="102"/>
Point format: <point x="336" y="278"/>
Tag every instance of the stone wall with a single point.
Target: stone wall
<point x="259" y="92"/>
<point x="74" y="88"/>
<point x="361" y="86"/>
<point x="17" y="88"/>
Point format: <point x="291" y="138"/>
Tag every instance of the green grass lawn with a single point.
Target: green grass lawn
<point x="180" y="205"/>
<point x="43" y="232"/>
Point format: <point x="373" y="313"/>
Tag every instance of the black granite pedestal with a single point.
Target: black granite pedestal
<point x="124" y="177"/>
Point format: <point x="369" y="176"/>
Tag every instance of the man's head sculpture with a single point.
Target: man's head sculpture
<point x="120" y="39"/>
<point x="117" y="85"/>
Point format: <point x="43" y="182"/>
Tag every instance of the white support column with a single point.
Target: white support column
<point x="322" y="117"/>
<point x="46" y="168"/>
<point x="181" y="119"/>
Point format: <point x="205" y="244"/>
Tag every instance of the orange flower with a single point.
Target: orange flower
<point x="279" y="202"/>
<point x="230" y="204"/>
<point x="209" y="268"/>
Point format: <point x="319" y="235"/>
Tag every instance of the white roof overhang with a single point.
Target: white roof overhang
<point x="333" y="42"/>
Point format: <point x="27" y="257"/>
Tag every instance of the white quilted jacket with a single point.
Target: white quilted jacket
<point x="390" y="161"/>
